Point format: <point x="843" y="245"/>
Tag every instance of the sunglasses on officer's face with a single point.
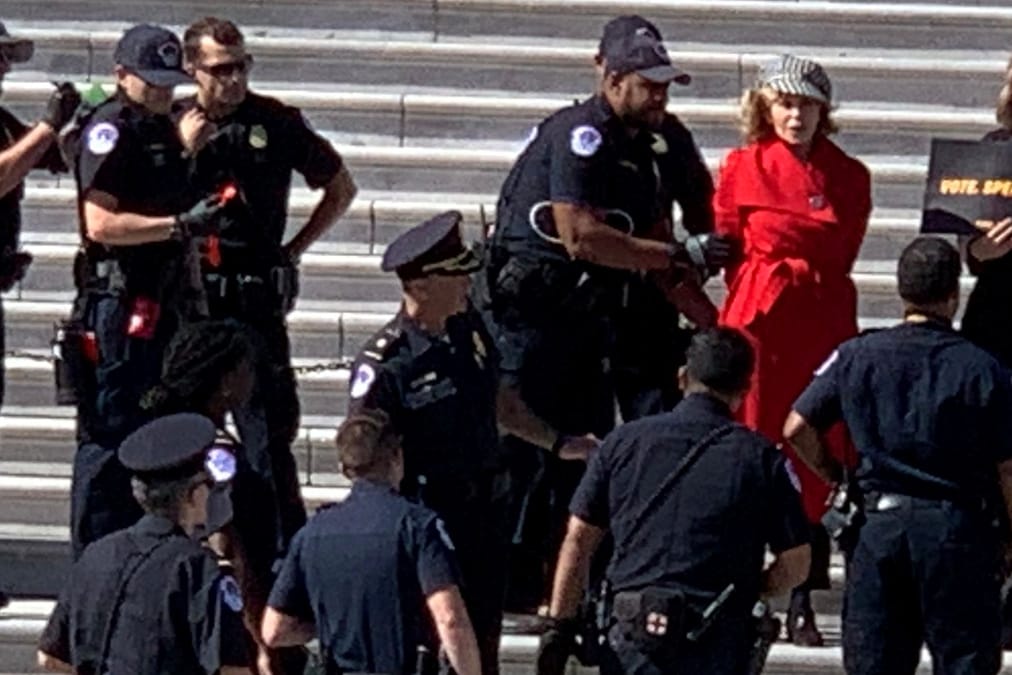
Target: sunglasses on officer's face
<point x="229" y="68"/>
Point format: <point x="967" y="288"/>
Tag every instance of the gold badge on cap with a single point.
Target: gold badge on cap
<point x="258" y="137"/>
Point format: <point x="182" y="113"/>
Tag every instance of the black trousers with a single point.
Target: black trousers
<point x="925" y="572"/>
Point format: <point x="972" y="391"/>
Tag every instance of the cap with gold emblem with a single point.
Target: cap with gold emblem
<point x="434" y="247"/>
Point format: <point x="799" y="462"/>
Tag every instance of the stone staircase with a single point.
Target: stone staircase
<point x="428" y="101"/>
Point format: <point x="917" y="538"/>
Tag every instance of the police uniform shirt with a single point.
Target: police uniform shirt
<point x="11" y="131"/>
<point x="579" y="155"/>
<point x="440" y="393"/>
<point x="176" y="613"/>
<point x="137" y="158"/>
<point x="684" y="176"/>
<point x="928" y="411"/>
<point x="256" y="148"/>
<point x="713" y="525"/>
<point x="361" y="569"/>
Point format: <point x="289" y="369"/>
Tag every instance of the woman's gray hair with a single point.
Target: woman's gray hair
<point x="163" y="498"/>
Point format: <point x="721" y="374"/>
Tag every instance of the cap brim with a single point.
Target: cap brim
<point x="163" y="78"/>
<point x="665" y="73"/>
<point x="786" y="85"/>
<point x="18" y="50"/>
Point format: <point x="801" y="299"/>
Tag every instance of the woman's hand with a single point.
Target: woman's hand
<point x="995" y="242"/>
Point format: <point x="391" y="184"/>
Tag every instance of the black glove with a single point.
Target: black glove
<point x="202" y="219"/>
<point x="708" y="253"/>
<point x="557" y="644"/>
<point x="62" y="105"/>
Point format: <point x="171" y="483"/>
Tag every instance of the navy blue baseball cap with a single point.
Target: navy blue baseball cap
<point x="15" y="49"/>
<point x="434" y="247"/>
<point x="622" y="26"/>
<point x="174" y="447"/>
<point x="640" y="51"/>
<point x="152" y="53"/>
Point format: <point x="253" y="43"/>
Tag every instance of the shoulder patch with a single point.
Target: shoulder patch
<point x="102" y="138"/>
<point x="444" y="535"/>
<point x="828" y="363"/>
<point x="230" y="593"/>
<point x="585" y="141"/>
<point x="220" y="464"/>
<point x="362" y="380"/>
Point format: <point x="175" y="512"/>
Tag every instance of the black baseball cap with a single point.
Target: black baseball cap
<point x="16" y="50"/>
<point x="627" y="24"/>
<point x="152" y="53"/>
<point x="643" y="53"/>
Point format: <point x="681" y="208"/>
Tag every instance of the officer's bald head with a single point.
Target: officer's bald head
<point x="720" y="360"/>
<point x="928" y="274"/>
<point x="369" y="447"/>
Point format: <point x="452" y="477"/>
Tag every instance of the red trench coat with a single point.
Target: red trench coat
<point x="801" y="225"/>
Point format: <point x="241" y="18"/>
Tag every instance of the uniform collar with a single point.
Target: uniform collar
<point x="157" y="526"/>
<point x="419" y="340"/>
<point x="704" y="403"/>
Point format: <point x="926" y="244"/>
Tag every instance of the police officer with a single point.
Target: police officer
<point x="358" y="573"/>
<point x="23" y="148"/>
<point x="692" y="500"/>
<point x="929" y="416"/>
<point x="255" y="143"/>
<point x="134" y="274"/>
<point x="649" y="341"/>
<point x="434" y="370"/>
<point x="564" y="247"/>
<point x="151" y="599"/>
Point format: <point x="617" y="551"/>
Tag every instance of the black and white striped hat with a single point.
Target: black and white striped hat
<point x="790" y="74"/>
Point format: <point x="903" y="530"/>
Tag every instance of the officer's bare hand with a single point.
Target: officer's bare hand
<point x="995" y="242"/>
<point x="195" y="130"/>
<point x="62" y="105"/>
<point x="578" y="447"/>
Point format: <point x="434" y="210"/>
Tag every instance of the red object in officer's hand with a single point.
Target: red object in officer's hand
<point x="144" y="315"/>
<point x="228" y="193"/>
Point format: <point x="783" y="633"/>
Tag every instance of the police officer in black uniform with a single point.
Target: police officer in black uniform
<point x="929" y="415"/>
<point x="692" y="500"/>
<point x="151" y="599"/>
<point x="435" y="371"/>
<point x="255" y="143"/>
<point x="134" y="275"/>
<point x="650" y="341"/>
<point x="358" y="574"/>
<point x="23" y="148"/>
<point x="565" y="245"/>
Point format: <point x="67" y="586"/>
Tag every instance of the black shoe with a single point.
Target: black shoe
<point x="801" y="629"/>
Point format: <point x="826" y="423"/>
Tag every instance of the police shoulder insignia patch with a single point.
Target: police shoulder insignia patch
<point x="230" y="593"/>
<point x="102" y="138"/>
<point x="362" y="380"/>
<point x="585" y="141"/>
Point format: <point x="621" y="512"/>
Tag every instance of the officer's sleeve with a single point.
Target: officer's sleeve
<point x="311" y="154"/>
<point x="218" y="634"/>
<point x="819" y="403"/>
<point x="55" y="639"/>
<point x="289" y="594"/>
<point x="590" y="501"/>
<point x="372" y="386"/>
<point x="785" y="524"/>
<point x="576" y="165"/>
<point x="105" y="159"/>
<point x="436" y="558"/>
<point x="999" y="405"/>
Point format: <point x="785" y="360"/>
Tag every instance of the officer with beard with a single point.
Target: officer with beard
<point x="559" y="260"/>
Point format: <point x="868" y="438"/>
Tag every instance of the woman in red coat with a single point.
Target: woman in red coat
<point x="800" y="207"/>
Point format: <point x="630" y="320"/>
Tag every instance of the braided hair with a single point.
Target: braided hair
<point x="196" y="361"/>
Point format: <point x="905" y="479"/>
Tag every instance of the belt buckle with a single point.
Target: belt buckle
<point x="888" y="502"/>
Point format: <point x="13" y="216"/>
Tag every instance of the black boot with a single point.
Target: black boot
<point x="801" y="629"/>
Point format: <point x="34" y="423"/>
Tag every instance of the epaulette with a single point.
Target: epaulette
<point x="379" y="347"/>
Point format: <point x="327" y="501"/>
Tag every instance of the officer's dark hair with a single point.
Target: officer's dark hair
<point x="367" y="444"/>
<point x="164" y="497"/>
<point x="196" y="361"/>
<point x="928" y="271"/>
<point x="722" y="359"/>
<point x="222" y="31"/>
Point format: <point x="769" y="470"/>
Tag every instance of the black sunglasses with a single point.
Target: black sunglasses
<point x="229" y="68"/>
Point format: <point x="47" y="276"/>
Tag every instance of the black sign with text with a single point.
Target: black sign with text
<point x="969" y="186"/>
